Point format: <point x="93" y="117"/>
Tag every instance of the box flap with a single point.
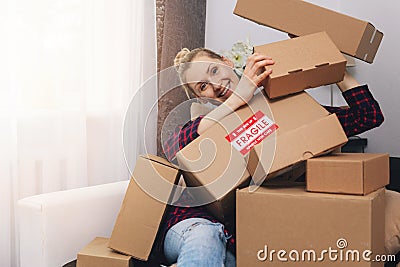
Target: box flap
<point x="159" y="160"/>
<point x="99" y="248"/>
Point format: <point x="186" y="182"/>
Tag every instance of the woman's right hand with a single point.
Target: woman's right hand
<point x="255" y="73"/>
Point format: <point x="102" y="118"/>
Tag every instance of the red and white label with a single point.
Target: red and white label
<point x="251" y="132"/>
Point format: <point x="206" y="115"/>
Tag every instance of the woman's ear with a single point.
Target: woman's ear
<point x="228" y="61"/>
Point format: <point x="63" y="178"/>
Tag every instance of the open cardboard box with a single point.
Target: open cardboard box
<point x="348" y="173"/>
<point x="300" y="63"/>
<point x="299" y="128"/>
<point x="150" y="189"/>
<point x="352" y="36"/>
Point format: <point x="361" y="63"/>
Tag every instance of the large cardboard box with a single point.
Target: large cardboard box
<point x="300" y="63"/>
<point x="352" y="36"/>
<point x="288" y="131"/>
<point x="348" y="173"/>
<point x="292" y="227"/>
<point x="150" y="189"/>
<point x="97" y="254"/>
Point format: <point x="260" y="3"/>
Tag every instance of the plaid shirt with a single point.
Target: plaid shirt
<point x="362" y="114"/>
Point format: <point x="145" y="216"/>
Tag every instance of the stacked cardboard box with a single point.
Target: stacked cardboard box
<point x="293" y="227"/>
<point x="344" y="225"/>
<point x="348" y="173"/>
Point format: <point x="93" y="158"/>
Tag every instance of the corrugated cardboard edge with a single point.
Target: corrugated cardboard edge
<point x="378" y="160"/>
<point x="83" y="255"/>
<point x="377" y="227"/>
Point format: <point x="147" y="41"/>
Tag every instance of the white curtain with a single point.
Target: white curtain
<point x="68" y="71"/>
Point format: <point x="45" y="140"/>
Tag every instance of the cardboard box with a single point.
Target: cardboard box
<point x="305" y="129"/>
<point x="97" y="254"/>
<point x="275" y="223"/>
<point x="348" y="173"/>
<point x="300" y="63"/>
<point x="352" y="36"/>
<point x="141" y="213"/>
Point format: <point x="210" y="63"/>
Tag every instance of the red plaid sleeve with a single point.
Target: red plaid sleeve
<point x="362" y="114"/>
<point x="181" y="137"/>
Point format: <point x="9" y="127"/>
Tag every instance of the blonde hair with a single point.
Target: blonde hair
<point x="185" y="56"/>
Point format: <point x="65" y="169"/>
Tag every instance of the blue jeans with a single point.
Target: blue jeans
<point x="197" y="242"/>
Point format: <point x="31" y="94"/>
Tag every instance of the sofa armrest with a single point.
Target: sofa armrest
<point x="53" y="227"/>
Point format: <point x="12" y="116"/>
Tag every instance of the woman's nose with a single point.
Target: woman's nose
<point x="216" y="84"/>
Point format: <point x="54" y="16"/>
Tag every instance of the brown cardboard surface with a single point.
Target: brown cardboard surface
<point x="293" y="219"/>
<point x="305" y="62"/>
<point x="140" y="216"/>
<point x="97" y="254"/>
<point x="216" y="165"/>
<point x="348" y="173"/>
<point x="305" y="129"/>
<point x="352" y="36"/>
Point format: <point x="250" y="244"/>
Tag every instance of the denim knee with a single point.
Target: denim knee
<point x="196" y="242"/>
<point x="207" y="230"/>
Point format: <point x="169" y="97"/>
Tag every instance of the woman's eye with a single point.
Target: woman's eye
<point x="203" y="86"/>
<point x="214" y="70"/>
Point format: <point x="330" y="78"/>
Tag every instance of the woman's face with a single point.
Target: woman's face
<point x="211" y="78"/>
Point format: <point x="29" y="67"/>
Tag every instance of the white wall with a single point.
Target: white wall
<point x="223" y="28"/>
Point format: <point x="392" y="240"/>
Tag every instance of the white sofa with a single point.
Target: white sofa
<point x="53" y="227"/>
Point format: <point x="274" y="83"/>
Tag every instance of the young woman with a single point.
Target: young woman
<point x="192" y="236"/>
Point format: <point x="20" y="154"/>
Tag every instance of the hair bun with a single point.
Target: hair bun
<point x="180" y="57"/>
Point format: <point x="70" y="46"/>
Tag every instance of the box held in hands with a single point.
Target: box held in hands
<point x="300" y="63"/>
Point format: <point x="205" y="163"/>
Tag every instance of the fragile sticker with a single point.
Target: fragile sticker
<point x="251" y="132"/>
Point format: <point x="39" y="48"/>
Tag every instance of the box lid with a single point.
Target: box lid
<point x="301" y="54"/>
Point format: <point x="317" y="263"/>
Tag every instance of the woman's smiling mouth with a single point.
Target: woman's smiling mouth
<point x="227" y="87"/>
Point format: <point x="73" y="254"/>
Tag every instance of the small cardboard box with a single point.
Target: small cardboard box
<point x="144" y="205"/>
<point x="302" y="129"/>
<point x="292" y="227"/>
<point x="352" y="36"/>
<point x="300" y="63"/>
<point x="97" y="254"/>
<point x="348" y="173"/>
